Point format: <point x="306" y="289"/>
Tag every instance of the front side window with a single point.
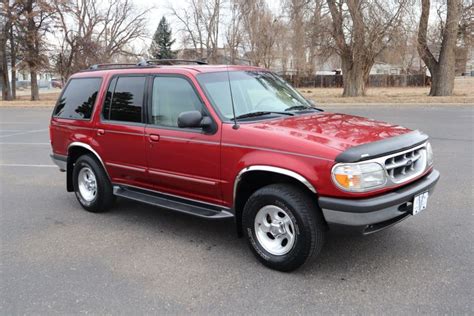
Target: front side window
<point x="78" y="99"/>
<point x="252" y="91"/>
<point x="124" y="102"/>
<point x="172" y="96"/>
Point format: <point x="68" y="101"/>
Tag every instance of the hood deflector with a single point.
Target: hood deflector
<point x="382" y="147"/>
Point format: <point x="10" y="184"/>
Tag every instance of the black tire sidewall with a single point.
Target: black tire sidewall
<point x="97" y="204"/>
<point x="302" y="247"/>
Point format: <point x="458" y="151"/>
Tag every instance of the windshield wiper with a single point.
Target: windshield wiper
<point x="300" y="108"/>
<point x="261" y="113"/>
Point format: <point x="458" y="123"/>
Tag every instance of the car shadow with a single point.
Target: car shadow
<point x="343" y="250"/>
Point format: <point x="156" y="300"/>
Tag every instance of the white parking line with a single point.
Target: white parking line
<point x="25" y="165"/>
<point x="25" y="144"/>
<point x="23" y="133"/>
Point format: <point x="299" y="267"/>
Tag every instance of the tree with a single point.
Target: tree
<point x="442" y="69"/>
<point x="160" y="47"/>
<point x="4" y="35"/>
<point x="361" y="30"/>
<point x="94" y="32"/>
<point x="33" y="22"/>
<point x="200" y="20"/>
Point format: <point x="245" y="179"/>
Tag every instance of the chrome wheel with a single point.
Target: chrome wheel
<point x="275" y="230"/>
<point x="87" y="184"/>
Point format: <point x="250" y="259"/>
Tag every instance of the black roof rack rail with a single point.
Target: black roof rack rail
<point x="111" y="65"/>
<point x="171" y="62"/>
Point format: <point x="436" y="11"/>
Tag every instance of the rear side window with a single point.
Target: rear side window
<point x="124" y="100"/>
<point x="77" y="101"/>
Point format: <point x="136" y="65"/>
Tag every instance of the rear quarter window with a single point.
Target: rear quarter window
<point x="78" y="99"/>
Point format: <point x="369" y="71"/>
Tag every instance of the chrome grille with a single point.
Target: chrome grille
<point x="406" y="165"/>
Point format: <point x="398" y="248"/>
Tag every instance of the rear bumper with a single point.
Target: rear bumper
<point x="60" y="161"/>
<point x="373" y="214"/>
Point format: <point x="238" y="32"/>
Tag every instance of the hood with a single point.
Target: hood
<point x="338" y="131"/>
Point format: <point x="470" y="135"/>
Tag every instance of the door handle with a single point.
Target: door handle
<point x="100" y="132"/>
<point x="154" y="137"/>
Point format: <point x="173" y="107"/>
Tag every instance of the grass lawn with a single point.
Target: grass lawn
<point x="463" y="93"/>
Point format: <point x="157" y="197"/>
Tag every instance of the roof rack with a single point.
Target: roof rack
<point x="171" y="62"/>
<point x="105" y="66"/>
<point x="146" y="63"/>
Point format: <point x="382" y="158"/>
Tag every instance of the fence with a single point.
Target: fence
<point x="335" y="81"/>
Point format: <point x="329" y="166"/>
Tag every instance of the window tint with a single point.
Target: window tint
<point x="127" y="100"/>
<point x="172" y="96"/>
<point x="77" y="101"/>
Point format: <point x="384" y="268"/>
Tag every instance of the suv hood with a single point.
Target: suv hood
<point x="335" y="130"/>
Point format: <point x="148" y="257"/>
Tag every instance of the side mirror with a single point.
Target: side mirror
<point x="193" y="119"/>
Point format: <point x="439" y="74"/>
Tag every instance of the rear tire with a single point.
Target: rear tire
<point x="91" y="185"/>
<point x="283" y="226"/>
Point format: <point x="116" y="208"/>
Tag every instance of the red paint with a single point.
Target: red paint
<point x="204" y="167"/>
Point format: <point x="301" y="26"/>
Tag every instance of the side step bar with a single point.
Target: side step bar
<point x="173" y="203"/>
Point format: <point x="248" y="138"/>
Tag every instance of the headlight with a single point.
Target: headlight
<point x="359" y="177"/>
<point x="429" y="154"/>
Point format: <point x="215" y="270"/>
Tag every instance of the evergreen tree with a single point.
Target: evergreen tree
<point x="160" y="47"/>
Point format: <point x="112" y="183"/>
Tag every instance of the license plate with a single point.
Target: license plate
<point x="419" y="202"/>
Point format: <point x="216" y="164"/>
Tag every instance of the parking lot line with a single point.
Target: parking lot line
<point x="25" y="165"/>
<point x="27" y="132"/>
<point x="24" y="143"/>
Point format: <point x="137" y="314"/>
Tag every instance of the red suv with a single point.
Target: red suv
<point x="236" y="142"/>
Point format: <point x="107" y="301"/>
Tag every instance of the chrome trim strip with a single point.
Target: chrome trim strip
<point x="169" y="194"/>
<point x="120" y="132"/>
<point x="278" y="170"/>
<point x="189" y="140"/>
<point x="276" y="151"/>
<point x="125" y="167"/>
<point x="176" y="176"/>
<point x="88" y="147"/>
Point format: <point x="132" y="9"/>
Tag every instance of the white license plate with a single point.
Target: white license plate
<point x="419" y="202"/>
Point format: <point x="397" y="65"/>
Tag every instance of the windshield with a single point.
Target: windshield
<point x="252" y="91"/>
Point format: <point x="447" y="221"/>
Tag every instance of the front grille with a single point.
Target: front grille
<point x="406" y="165"/>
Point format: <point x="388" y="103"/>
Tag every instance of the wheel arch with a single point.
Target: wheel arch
<point x="252" y="178"/>
<point x="74" y="151"/>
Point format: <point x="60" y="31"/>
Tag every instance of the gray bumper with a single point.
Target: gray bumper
<point x="60" y="161"/>
<point x="379" y="212"/>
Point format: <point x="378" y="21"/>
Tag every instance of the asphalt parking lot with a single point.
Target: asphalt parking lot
<point x="137" y="259"/>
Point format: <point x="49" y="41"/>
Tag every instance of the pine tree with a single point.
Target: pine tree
<point x="160" y="47"/>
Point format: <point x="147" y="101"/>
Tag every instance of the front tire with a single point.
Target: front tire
<point x="91" y="185"/>
<point x="283" y="226"/>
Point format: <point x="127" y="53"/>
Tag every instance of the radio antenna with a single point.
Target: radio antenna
<point x="236" y="125"/>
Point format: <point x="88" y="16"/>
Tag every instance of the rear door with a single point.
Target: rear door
<point x="120" y="131"/>
<point x="181" y="161"/>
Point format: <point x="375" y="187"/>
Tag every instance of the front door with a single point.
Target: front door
<point x="181" y="161"/>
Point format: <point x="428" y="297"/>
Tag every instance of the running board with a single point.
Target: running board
<point x="173" y="203"/>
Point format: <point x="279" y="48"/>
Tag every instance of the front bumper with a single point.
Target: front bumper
<point x="373" y="214"/>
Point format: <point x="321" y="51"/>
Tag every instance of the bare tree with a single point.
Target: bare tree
<point x="233" y="32"/>
<point x="33" y="21"/>
<point x="200" y="21"/>
<point x="361" y="31"/>
<point x="261" y="31"/>
<point x="5" y="27"/>
<point x="442" y="68"/>
<point x="94" y="33"/>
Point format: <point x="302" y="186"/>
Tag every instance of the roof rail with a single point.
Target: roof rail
<point x="171" y="62"/>
<point x="111" y="65"/>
